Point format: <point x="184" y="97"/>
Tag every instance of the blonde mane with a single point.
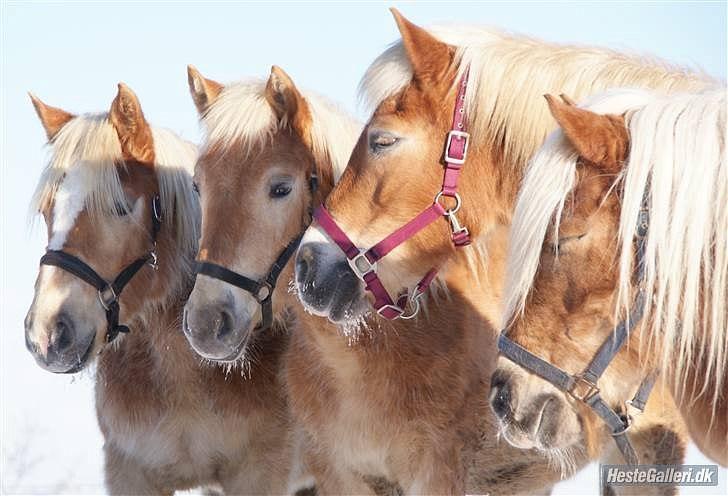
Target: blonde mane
<point x="241" y="114"/>
<point x="89" y="146"/>
<point x="678" y="155"/>
<point x="509" y="75"/>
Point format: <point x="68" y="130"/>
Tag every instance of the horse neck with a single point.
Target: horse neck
<point x="163" y="294"/>
<point x="489" y="187"/>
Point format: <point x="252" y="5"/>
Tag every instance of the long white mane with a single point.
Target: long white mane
<point x="509" y="74"/>
<point x="678" y="155"/>
<point x="88" y="147"/>
<point x="241" y="114"/>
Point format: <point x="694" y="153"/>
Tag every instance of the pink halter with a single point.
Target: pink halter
<point x="364" y="262"/>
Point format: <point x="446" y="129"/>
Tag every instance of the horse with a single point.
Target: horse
<point x="430" y="373"/>
<point x="271" y="166"/>
<point x="118" y="201"/>
<point x="271" y="153"/>
<point x="627" y="202"/>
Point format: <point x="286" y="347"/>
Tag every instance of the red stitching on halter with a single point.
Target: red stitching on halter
<point x="364" y="262"/>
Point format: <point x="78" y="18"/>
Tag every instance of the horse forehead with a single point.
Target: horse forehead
<point x="68" y="203"/>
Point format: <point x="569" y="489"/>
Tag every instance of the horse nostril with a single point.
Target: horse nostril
<point x="62" y="336"/>
<point x="225" y="326"/>
<point x="303" y="262"/>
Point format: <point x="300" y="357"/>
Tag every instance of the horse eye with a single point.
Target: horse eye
<point x="279" y="190"/>
<point x="566" y="239"/>
<point x="196" y="188"/>
<point x="381" y="140"/>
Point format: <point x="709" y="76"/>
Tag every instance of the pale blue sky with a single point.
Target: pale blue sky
<point x="73" y="54"/>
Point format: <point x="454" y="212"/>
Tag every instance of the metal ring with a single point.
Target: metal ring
<point x="415" y="311"/>
<point x="458" y="202"/>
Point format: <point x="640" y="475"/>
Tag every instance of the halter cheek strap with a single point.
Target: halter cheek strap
<point x="261" y="289"/>
<point x="108" y="292"/>
<point x="364" y="262"/>
<point x="583" y="387"/>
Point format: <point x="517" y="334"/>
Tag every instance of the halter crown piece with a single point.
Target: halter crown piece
<point x="364" y="262"/>
<point x="583" y="387"/>
<point x="109" y="292"/>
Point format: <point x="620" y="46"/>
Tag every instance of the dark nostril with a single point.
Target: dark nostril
<point x="226" y="325"/>
<point x="303" y="262"/>
<point x="62" y="336"/>
<point x="500" y="394"/>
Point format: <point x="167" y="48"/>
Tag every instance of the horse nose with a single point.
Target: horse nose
<point x="60" y="338"/>
<point x="211" y="330"/>
<point x="501" y="394"/>
<point x="305" y="261"/>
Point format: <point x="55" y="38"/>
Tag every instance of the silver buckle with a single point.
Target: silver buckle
<point x="263" y="293"/>
<point x="591" y="389"/>
<point x="361" y="265"/>
<point x="154" y="262"/>
<point x="461" y="134"/>
<point x="102" y="297"/>
<point x="415" y="303"/>
<point x="393" y="307"/>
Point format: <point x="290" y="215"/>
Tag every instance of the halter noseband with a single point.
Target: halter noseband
<point x="364" y="262"/>
<point x="260" y="289"/>
<point x="109" y="292"/>
<point x="583" y="387"/>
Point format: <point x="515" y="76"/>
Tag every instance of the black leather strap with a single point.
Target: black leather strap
<point x="108" y="292"/>
<point x="261" y="289"/>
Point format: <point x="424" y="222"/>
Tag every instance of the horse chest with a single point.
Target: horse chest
<point x="191" y="443"/>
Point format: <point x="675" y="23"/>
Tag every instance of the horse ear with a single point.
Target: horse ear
<point x="132" y="128"/>
<point x="52" y="118"/>
<point x="429" y="57"/>
<point x="601" y="139"/>
<point x="287" y="102"/>
<point x="204" y="91"/>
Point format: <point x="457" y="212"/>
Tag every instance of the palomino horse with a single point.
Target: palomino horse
<point x="118" y="202"/>
<point x="269" y="155"/>
<point x="255" y="185"/>
<point x="426" y="376"/>
<point x="623" y="215"/>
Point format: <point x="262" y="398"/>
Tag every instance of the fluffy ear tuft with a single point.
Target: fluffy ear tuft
<point x="52" y="118"/>
<point x="288" y="103"/>
<point x="132" y="128"/>
<point x="282" y="94"/>
<point x="204" y="91"/>
<point x="602" y="139"/>
<point x="430" y="58"/>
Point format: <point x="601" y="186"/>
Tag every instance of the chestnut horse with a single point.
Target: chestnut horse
<point x="603" y="183"/>
<point x="408" y="397"/>
<point x="119" y="206"/>
<point x="266" y="140"/>
<point x="269" y="156"/>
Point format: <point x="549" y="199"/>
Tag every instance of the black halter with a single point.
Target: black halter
<point x="261" y="289"/>
<point x="583" y="387"/>
<point x="108" y="292"/>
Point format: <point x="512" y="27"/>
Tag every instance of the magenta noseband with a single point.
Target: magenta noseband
<point x="364" y="262"/>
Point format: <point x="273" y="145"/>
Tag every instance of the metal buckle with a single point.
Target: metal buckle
<point x="263" y="292"/>
<point x="460" y="134"/>
<point x="102" y="297"/>
<point x="458" y="202"/>
<point x="154" y="262"/>
<point x="591" y="389"/>
<point x="361" y="265"/>
<point x="628" y="421"/>
<point x="399" y="311"/>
